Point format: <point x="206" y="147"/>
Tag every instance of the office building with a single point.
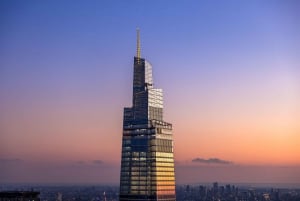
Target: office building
<point x="147" y="166"/>
<point x="19" y="196"/>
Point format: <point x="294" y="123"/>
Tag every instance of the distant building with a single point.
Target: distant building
<point x="147" y="166"/>
<point x="59" y="196"/>
<point x="19" y="196"/>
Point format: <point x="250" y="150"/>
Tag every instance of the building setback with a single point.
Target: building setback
<point x="147" y="165"/>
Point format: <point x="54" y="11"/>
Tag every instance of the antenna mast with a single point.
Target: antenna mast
<point x="138" y="45"/>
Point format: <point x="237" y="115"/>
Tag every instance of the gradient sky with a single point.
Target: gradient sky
<point x="230" y="72"/>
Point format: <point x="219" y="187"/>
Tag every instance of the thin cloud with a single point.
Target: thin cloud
<point x="97" y="162"/>
<point x="10" y="160"/>
<point x="212" y="161"/>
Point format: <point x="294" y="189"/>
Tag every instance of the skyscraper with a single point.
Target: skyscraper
<point x="147" y="166"/>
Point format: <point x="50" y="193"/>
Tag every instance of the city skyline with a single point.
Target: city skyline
<point x="230" y="72"/>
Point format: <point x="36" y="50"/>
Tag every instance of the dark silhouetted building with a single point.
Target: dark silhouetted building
<point x="19" y="196"/>
<point x="147" y="166"/>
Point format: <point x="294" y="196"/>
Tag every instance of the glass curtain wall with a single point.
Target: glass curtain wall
<point x="147" y="165"/>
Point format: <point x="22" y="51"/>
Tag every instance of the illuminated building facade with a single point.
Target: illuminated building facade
<point x="147" y="166"/>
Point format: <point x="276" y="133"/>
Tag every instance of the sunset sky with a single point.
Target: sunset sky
<point x="230" y="71"/>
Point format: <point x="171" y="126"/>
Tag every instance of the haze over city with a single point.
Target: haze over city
<point x="229" y="70"/>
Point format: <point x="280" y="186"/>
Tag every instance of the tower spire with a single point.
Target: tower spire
<point x="138" y="44"/>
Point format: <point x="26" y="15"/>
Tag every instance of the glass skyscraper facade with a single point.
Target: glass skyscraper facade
<point x="147" y="166"/>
